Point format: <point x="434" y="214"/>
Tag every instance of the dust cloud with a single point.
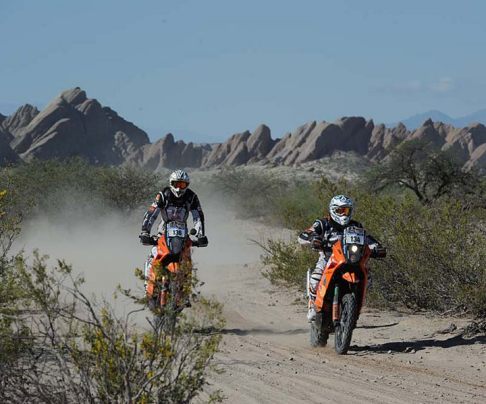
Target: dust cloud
<point x="102" y="245"/>
<point x="103" y="249"/>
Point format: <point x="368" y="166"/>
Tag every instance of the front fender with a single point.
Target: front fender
<point x="350" y="277"/>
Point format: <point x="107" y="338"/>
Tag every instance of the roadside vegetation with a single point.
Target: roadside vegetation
<point x="45" y="187"/>
<point x="59" y="345"/>
<point x="428" y="212"/>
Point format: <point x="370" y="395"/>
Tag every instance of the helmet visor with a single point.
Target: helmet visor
<point x="180" y="184"/>
<point x="342" y="210"/>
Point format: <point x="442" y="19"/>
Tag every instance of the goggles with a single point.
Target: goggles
<point x="180" y="184"/>
<point x="342" y="210"/>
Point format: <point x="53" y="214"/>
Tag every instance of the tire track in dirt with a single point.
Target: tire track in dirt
<point x="266" y="356"/>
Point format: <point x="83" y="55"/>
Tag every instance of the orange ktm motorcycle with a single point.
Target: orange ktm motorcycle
<point x="341" y="291"/>
<point x="168" y="271"/>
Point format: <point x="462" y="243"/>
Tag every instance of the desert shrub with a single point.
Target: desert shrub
<point x="60" y="346"/>
<point x="286" y="263"/>
<point x="45" y="182"/>
<point x="430" y="173"/>
<point x="126" y="188"/>
<point x="57" y="345"/>
<point x="9" y="224"/>
<point x="12" y="340"/>
<point x="259" y="195"/>
<point x="436" y="252"/>
<point x="48" y="187"/>
<point x="437" y="258"/>
<point x="298" y="207"/>
<point x="252" y="194"/>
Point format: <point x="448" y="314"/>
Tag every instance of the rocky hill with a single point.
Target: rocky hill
<point x="74" y="125"/>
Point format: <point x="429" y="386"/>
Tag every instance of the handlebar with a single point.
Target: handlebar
<point x="149" y="240"/>
<point x="379" y="252"/>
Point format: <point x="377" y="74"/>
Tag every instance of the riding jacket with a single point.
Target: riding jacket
<point x="326" y="229"/>
<point x="176" y="209"/>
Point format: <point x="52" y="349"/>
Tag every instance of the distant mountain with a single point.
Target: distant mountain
<point x="478" y="116"/>
<point x="75" y="125"/>
<point x="417" y="120"/>
<point x="72" y="125"/>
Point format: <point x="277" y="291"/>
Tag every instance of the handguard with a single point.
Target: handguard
<point x="147" y="239"/>
<point x="378" y="252"/>
<point x="202" y="241"/>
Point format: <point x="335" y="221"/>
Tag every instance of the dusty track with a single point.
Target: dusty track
<point x="265" y="351"/>
<point x="267" y="358"/>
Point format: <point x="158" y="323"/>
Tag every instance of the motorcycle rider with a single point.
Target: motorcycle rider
<point x="320" y="237"/>
<point x="174" y="203"/>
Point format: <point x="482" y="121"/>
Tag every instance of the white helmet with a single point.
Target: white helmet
<point x="341" y="209"/>
<point x="179" y="182"/>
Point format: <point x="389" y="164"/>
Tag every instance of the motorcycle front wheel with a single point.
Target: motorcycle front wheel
<point x="165" y="314"/>
<point x="320" y="329"/>
<point x="347" y="323"/>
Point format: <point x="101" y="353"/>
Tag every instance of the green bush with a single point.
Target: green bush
<point x="436" y="252"/>
<point x="252" y="194"/>
<point x="47" y="187"/>
<point x="126" y="188"/>
<point x="259" y="195"/>
<point x="437" y="259"/>
<point x="287" y="263"/>
<point x="58" y="345"/>
<point x="427" y="171"/>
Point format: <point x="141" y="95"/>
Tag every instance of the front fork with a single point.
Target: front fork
<point x="335" y="306"/>
<point x="164" y="293"/>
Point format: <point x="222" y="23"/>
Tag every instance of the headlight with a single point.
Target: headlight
<point x="354" y="253"/>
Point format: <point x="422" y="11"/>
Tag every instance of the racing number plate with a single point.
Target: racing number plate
<point x="354" y="236"/>
<point x="176" y="230"/>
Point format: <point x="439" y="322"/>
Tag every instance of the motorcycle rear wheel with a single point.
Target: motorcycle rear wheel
<point x="347" y="323"/>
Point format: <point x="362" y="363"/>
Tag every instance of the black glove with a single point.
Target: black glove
<point x="202" y="241"/>
<point x="317" y="243"/>
<point x="145" y="238"/>
<point x="378" y="252"/>
<point x="305" y="236"/>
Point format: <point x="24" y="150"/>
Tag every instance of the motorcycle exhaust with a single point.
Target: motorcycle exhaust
<point x="335" y="306"/>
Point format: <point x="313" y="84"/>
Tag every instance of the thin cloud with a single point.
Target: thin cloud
<point x="417" y="87"/>
<point x="443" y="85"/>
<point x="409" y="87"/>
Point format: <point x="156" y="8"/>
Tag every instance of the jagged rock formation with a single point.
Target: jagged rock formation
<point x="313" y="141"/>
<point x="74" y="125"/>
<point x="167" y="153"/>
<point x="242" y="148"/>
<point x="384" y="139"/>
<point x="13" y="124"/>
<point x="466" y="144"/>
<point x="7" y="155"/>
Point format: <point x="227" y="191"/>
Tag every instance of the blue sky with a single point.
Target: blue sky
<point x="207" y="69"/>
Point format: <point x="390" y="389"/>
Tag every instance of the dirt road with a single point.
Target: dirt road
<point x="267" y="358"/>
<point x="265" y="353"/>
